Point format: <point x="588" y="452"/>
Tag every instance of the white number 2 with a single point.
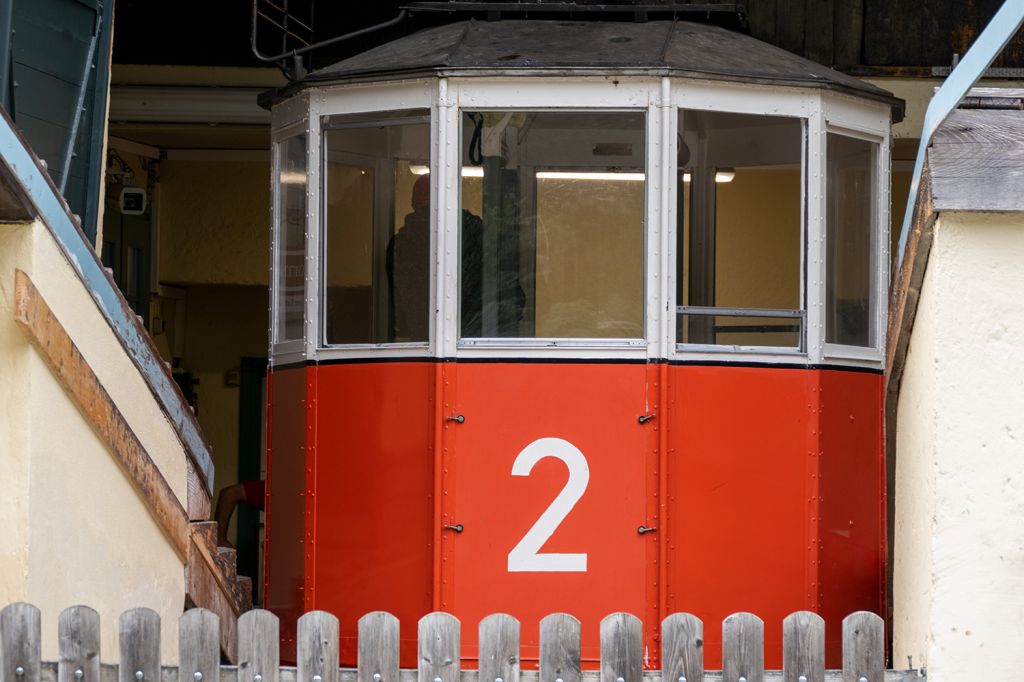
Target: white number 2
<point x="526" y="555"/>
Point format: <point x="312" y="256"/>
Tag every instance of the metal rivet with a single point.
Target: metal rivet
<point x="257" y="678"/>
<point x="377" y="677"/>
<point x="619" y="679"/>
<point x="682" y="679"/>
<point x="802" y="678"/>
<point x="498" y="679"/>
<point x="19" y="671"/>
<point x="139" y="674"/>
<point x="317" y="678"/>
<point x="197" y="676"/>
<point x="559" y="679"/>
<point x="862" y="679"/>
<point x="742" y="679"/>
<point x="79" y="674"/>
<point x="438" y="679"/>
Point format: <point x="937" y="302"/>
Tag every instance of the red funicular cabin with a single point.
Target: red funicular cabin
<point x="581" y="316"/>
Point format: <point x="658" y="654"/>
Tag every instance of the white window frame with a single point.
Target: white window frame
<point x="752" y="100"/>
<point x="660" y="98"/>
<point x="292" y="350"/>
<point x="341" y="100"/>
<point x="874" y="354"/>
<point x="589" y="95"/>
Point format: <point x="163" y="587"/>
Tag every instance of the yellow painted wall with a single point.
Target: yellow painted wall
<point x="590" y="259"/>
<point x="214" y="222"/>
<point x="223" y="324"/>
<point x="75" y="529"/>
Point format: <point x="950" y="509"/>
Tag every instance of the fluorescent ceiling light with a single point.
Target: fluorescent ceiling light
<point x="584" y="175"/>
<point x="467" y="171"/>
<point x="292" y="178"/>
<point x="724" y="175"/>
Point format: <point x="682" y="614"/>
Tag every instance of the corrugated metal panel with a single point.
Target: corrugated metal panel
<point x="46" y="51"/>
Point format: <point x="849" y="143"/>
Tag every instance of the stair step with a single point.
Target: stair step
<point x="245" y="585"/>
<point x="228" y="562"/>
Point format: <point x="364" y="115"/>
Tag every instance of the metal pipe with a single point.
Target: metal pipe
<point x="323" y="43"/>
<point x="76" y="118"/>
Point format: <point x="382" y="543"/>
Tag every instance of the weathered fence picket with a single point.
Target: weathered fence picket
<point x="863" y="647"/>
<point x="317" y="647"/>
<point x="499" y="648"/>
<point x="199" y="646"/>
<point x="378" y="648"/>
<point x="259" y="647"/>
<point x="803" y="647"/>
<point x="139" y="642"/>
<point x="317" y="650"/>
<point x="743" y="648"/>
<point x="682" y="648"/>
<point x="621" y="648"/>
<point x="559" y="648"/>
<point x="439" y="648"/>
<point x="20" y="643"/>
<point x="78" y="634"/>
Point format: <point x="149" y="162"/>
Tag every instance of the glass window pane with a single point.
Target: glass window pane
<point x="552" y="241"/>
<point x="740" y="215"/>
<point x="849" y="307"/>
<point x="377" y="228"/>
<point x="291" y="239"/>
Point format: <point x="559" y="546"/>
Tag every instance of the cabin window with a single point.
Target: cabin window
<point x="552" y="225"/>
<point x="290" y="238"/>
<point x="740" y="245"/>
<point x="850" y="315"/>
<point x="377" y="234"/>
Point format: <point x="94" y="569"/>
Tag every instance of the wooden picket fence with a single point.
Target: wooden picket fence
<point x="439" y="661"/>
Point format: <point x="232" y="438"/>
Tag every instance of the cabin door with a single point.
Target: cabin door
<point x="547" y="482"/>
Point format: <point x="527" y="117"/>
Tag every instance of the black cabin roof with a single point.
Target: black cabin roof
<point x="677" y="48"/>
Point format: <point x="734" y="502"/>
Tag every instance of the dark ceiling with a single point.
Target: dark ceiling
<point x="852" y="34"/>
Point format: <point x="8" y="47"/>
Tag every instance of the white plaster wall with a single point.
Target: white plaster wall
<point x="74" y="307"/>
<point x="74" y="528"/>
<point x="969" y="617"/>
<point x="917" y="93"/>
<point x="915" y="487"/>
<point x="15" y="247"/>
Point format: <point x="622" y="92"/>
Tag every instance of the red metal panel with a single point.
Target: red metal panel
<point x="594" y="408"/>
<point x="852" y="515"/>
<point x="373" y="495"/>
<point x="741" y="448"/>
<point x="286" y="483"/>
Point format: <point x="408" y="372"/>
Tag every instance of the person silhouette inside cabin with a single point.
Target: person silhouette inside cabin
<point x="408" y="269"/>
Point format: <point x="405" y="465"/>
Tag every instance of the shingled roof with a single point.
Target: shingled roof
<point x="676" y="48"/>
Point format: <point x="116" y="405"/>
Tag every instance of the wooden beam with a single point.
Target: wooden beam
<point x="51" y="340"/>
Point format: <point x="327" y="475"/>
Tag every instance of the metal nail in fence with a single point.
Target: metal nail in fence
<point x="197" y="676"/>
<point x="139" y="674"/>
<point x="742" y="679"/>
<point x="682" y="679"/>
<point x="438" y="679"/>
<point x="377" y="677"/>
<point x="317" y="678"/>
<point x="802" y="678"/>
<point x="79" y="674"/>
<point x="19" y="671"/>
<point x="498" y="679"/>
<point x="862" y="679"/>
<point x="257" y="678"/>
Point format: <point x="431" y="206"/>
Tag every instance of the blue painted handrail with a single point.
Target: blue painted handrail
<point x="961" y="79"/>
<point x="53" y="210"/>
